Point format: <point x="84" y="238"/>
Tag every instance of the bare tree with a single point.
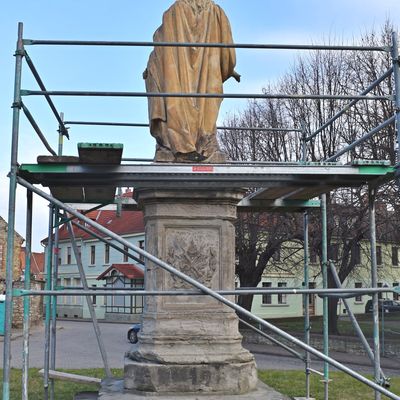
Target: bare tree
<point x="259" y="238"/>
<point x="320" y="72"/>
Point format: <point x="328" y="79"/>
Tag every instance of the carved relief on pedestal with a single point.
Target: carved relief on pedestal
<point x="195" y="252"/>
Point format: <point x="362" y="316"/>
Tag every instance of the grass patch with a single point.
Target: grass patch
<point x="290" y="383"/>
<point x="64" y="390"/>
<point x="342" y="387"/>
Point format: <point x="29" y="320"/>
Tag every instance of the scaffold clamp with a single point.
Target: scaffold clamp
<point x="18" y="292"/>
<point x="19" y="52"/>
<point x="17" y="104"/>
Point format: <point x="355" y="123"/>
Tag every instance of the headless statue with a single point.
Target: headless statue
<point x="185" y="128"/>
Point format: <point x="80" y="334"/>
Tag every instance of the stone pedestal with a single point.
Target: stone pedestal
<point x="190" y="344"/>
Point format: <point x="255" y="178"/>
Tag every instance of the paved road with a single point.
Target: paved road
<point x="77" y="348"/>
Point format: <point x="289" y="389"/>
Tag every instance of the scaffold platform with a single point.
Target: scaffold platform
<point x="283" y="185"/>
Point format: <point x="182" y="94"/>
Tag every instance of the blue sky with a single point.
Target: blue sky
<point x="120" y="69"/>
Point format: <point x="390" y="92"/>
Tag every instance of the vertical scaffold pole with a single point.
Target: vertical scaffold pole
<point x="53" y="339"/>
<point x="60" y="136"/>
<point x="47" y="337"/>
<point x="303" y="143"/>
<point x="325" y="286"/>
<point x="306" y="302"/>
<point x="11" y="215"/>
<point x="27" y="299"/>
<point x="396" y="75"/>
<point x="53" y="312"/>
<point x="374" y="284"/>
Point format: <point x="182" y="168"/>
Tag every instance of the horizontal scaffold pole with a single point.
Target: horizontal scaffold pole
<point x="82" y="93"/>
<point x="238" y="292"/>
<point x="169" y="268"/>
<point x="32" y="42"/>
<point x="142" y="125"/>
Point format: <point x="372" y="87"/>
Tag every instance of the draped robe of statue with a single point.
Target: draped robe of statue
<point x="185" y="128"/>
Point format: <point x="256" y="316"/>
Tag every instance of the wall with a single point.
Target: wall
<point x="36" y="308"/>
<point x="336" y="343"/>
<point x="18" y="241"/>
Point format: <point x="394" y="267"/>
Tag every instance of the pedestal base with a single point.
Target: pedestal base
<point x="113" y="390"/>
<point x="232" y="378"/>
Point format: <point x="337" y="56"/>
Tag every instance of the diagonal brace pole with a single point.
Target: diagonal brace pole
<point x="354" y="320"/>
<point x="89" y="301"/>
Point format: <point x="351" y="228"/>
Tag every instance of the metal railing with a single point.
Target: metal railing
<point x="207" y="291"/>
<point x="18" y="105"/>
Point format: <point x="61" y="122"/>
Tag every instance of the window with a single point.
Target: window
<point x="358" y="299"/>
<point x="94" y="297"/>
<point x="378" y="255"/>
<point x="357" y="254"/>
<point x="141" y="246"/>
<point x="395" y="256"/>
<point x="124" y="304"/>
<point x="77" y="300"/>
<point x="313" y="256"/>
<point x="68" y="255"/>
<point x="396" y="296"/>
<point x="282" y="298"/>
<point x="380" y="295"/>
<point x="67" y="283"/>
<point x="92" y="255"/>
<point x="311" y="298"/>
<point x="334" y="250"/>
<point x="277" y="255"/>
<point x="106" y="254"/>
<point x="266" y="298"/>
<point x="60" y="298"/>
<point x="79" y="253"/>
<point x="125" y="256"/>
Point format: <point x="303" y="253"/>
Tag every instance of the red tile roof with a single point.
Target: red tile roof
<point x="130" y="271"/>
<point x="128" y="223"/>
<point x="37" y="263"/>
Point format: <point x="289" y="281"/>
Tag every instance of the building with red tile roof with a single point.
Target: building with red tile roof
<point x="101" y="259"/>
<point x="37" y="264"/>
<point x="130" y="271"/>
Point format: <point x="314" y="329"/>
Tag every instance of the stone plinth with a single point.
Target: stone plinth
<point x="190" y="344"/>
<point x="113" y="390"/>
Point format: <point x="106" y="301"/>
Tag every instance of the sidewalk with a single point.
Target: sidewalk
<point x="15" y="334"/>
<point x="18" y="333"/>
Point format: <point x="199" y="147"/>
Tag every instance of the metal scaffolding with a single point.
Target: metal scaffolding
<point x="284" y="186"/>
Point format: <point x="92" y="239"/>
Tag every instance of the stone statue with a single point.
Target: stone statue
<point x="185" y="128"/>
